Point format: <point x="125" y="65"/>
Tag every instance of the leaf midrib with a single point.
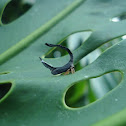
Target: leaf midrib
<point x="25" y="42"/>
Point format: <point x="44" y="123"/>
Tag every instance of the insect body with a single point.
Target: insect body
<point x="67" y="68"/>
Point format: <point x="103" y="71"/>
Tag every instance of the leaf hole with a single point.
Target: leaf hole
<point x="118" y="18"/>
<point x="73" y="42"/>
<point x="15" y="9"/>
<point x="91" y="57"/>
<point x="4" y="89"/>
<point x="85" y="92"/>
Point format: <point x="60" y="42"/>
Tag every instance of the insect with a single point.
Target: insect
<point x="67" y="68"/>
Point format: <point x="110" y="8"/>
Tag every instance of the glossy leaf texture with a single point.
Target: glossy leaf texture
<point x="36" y="97"/>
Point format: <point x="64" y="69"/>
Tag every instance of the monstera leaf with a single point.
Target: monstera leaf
<point x="30" y="94"/>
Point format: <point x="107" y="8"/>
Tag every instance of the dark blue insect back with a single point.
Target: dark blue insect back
<point x="67" y="68"/>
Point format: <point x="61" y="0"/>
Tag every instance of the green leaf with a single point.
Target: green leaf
<point x="36" y="96"/>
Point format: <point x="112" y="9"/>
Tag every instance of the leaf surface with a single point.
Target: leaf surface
<point x="37" y="97"/>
